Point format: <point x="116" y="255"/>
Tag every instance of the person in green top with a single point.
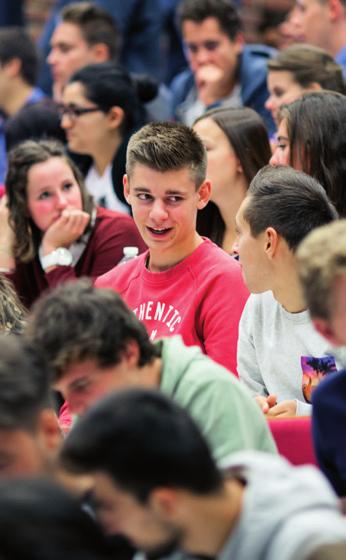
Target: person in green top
<point x="94" y="344"/>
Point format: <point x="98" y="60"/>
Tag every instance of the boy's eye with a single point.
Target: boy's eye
<point x="211" y="45"/>
<point x="144" y="196"/>
<point x="174" y="198"/>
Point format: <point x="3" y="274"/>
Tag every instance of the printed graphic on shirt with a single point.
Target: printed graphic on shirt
<point x="314" y="370"/>
<point x="164" y="317"/>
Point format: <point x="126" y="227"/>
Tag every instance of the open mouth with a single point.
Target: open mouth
<point x="159" y="231"/>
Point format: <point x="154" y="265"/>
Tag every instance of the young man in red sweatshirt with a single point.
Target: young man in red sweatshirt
<point x="183" y="284"/>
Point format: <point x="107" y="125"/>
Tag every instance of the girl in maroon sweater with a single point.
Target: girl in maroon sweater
<point x="50" y="230"/>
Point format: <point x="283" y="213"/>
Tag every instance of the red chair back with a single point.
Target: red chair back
<point x="293" y="439"/>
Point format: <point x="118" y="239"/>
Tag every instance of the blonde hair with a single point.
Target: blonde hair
<point x="321" y="260"/>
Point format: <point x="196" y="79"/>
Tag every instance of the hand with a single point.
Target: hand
<point x="265" y="403"/>
<point x="64" y="231"/>
<point x="211" y="84"/>
<point x="284" y="409"/>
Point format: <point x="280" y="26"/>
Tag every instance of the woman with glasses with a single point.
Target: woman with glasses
<point x="102" y="106"/>
<point x="50" y="229"/>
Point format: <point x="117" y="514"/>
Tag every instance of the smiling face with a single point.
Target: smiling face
<point x="283" y="89"/>
<point x="207" y="44"/>
<point x="51" y="188"/>
<point x="223" y="165"/>
<point x="281" y="154"/>
<point x="164" y="206"/>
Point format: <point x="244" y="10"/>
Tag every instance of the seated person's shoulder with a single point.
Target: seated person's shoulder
<point x="333" y="387"/>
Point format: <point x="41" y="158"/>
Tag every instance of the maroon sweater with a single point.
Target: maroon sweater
<point x="112" y="231"/>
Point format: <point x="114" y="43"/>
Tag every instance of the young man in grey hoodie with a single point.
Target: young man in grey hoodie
<point x="94" y="344"/>
<point x="156" y="483"/>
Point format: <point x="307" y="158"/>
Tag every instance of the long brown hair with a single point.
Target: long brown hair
<point x="247" y="135"/>
<point x="20" y="161"/>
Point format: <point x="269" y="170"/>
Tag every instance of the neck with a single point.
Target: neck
<point x="160" y="261"/>
<point x="210" y="520"/>
<point x="17" y="98"/>
<point x="337" y="38"/>
<point x="149" y="376"/>
<point x="228" y="207"/>
<point x="288" y="292"/>
<point x="104" y="152"/>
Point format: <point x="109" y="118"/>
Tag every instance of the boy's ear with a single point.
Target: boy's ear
<point x="204" y="193"/>
<point x="126" y="189"/>
<point x="271" y="242"/>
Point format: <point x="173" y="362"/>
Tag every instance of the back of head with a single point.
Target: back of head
<point x="143" y="441"/>
<point x="308" y="65"/>
<point x="316" y="130"/>
<point x="24" y="384"/>
<point x="77" y="322"/>
<point x="15" y="42"/>
<point x="109" y="85"/>
<point x="37" y="122"/>
<point x="167" y="146"/>
<point x="289" y="201"/>
<point x="247" y="135"/>
<point x="224" y="11"/>
<point x="95" y="24"/>
<point x="39" y="520"/>
<point x="321" y="260"/>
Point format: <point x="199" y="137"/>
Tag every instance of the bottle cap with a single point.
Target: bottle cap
<point x="130" y="251"/>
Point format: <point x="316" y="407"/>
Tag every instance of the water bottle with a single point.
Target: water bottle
<point x="129" y="254"/>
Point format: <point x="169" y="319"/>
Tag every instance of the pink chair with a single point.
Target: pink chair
<point x="293" y="439"/>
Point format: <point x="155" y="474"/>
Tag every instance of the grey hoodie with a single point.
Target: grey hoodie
<point x="287" y="511"/>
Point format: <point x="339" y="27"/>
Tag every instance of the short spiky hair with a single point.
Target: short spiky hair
<point x="321" y="260"/>
<point x="167" y="146"/>
<point x="223" y="10"/>
<point x="290" y="201"/>
<point x="95" y="24"/>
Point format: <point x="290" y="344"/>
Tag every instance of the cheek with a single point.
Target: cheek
<point x="75" y="199"/>
<point x="39" y="211"/>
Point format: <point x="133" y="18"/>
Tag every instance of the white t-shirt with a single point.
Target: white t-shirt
<point x="101" y="188"/>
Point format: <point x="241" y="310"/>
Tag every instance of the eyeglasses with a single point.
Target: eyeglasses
<point x="74" y="112"/>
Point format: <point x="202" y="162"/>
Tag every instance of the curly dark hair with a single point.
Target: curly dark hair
<point x="20" y="160"/>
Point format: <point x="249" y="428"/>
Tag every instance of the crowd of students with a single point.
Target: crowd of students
<point x="135" y="397"/>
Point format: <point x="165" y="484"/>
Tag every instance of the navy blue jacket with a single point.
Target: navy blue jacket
<point x="252" y="80"/>
<point x="329" y="428"/>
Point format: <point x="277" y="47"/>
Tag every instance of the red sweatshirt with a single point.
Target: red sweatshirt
<point x="201" y="298"/>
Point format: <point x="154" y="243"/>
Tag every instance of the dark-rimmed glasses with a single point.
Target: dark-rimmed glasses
<point x="73" y="112"/>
